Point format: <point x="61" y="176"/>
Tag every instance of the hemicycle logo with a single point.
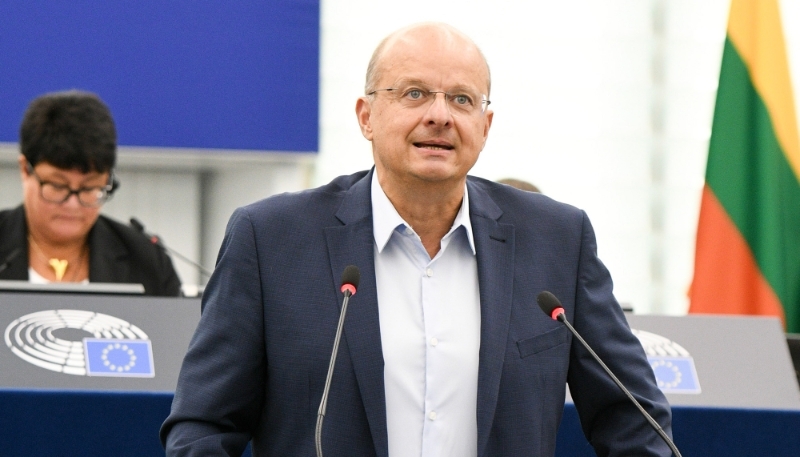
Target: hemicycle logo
<point x="81" y="343"/>
<point x="671" y="363"/>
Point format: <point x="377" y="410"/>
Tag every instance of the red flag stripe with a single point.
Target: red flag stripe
<point x="724" y="264"/>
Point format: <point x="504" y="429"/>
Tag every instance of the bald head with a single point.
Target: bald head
<point x="418" y="35"/>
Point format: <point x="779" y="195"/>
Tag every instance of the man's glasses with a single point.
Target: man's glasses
<point x="90" y="197"/>
<point x="459" y="102"/>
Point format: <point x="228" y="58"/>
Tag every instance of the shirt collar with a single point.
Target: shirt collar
<point x="385" y="219"/>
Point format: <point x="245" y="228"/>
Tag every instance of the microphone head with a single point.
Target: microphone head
<point x="137" y="225"/>
<point x="549" y="304"/>
<point x="350" y="278"/>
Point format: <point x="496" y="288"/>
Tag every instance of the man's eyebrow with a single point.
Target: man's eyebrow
<point x="410" y="81"/>
<point x="461" y="87"/>
<point x="419" y="82"/>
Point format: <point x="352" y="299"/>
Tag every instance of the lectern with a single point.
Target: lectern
<point x="89" y="374"/>
<point x="729" y="380"/>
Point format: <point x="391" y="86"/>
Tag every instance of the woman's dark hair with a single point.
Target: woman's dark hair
<point x="72" y="130"/>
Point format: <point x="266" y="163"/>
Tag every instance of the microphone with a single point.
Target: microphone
<point x="9" y="258"/>
<point x="552" y="307"/>
<point x="157" y="241"/>
<point x="350" y="278"/>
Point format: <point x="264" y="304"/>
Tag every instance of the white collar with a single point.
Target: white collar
<point x="385" y="218"/>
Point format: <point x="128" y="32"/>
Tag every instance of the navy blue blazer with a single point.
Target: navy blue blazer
<point x="256" y="366"/>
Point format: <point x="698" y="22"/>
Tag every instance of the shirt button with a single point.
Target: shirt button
<point x="429" y="272"/>
<point x="434" y="342"/>
<point x="409" y="231"/>
<point x="432" y="415"/>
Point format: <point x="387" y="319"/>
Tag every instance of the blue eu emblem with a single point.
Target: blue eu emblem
<point x="675" y="374"/>
<point x="125" y="358"/>
<point x="672" y="365"/>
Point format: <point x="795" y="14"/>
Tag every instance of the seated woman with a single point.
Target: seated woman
<point x="68" y="143"/>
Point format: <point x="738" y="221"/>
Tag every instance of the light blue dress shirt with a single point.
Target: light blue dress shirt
<point x="430" y="321"/>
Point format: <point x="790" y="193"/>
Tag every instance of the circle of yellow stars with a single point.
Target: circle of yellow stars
<point x="118" y="347"/>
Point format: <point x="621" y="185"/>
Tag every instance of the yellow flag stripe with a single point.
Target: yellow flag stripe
<point x="755" y="29"/>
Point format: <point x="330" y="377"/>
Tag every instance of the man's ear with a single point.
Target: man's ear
<point x="363" y="113"/>
<point x="489" y="116"/>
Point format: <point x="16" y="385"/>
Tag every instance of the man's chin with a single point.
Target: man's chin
<point x="437" y="173"/>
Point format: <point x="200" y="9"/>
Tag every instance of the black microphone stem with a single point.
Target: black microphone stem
<point x="563" y="319"/>
<point x="202" y="269"/>
<point x="323" y="405"/>
<point x="9" y="258"/>
<point x="155" y="239"/>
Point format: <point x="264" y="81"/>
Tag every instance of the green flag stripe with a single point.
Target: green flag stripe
<point x="749" y="174"/>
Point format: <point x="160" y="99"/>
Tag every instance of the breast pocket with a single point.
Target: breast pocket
<point x="540" y="343"/>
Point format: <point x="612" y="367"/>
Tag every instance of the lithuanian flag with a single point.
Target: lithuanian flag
<point x="748" y="237"/>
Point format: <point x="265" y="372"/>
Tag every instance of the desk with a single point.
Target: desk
<point x="81" y="423"/>
<point x="708" y="432"/>
<point x="47" y="413"/>
<point x="121" y="424"/>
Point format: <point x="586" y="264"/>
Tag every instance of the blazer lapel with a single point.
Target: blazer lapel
<point x="14" y="246"/>
<point x="106" y="255"/>
<point x="352" y="244"/>
<point x="494" y="243"/>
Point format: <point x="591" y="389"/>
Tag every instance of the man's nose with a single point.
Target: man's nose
<point x="439" y="109"/>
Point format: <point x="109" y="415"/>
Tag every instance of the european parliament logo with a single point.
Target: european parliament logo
<point x="107" y="357"/>
<point x="672" y="365"/>
<point x="81" y="343"/>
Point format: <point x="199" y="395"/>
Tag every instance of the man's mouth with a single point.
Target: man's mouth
<point x="435" y="147"/>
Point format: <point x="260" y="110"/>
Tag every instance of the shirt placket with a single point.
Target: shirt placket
<point x="434" y="408"/>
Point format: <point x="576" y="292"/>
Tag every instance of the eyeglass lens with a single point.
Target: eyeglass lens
<point x="460" y="101"/>
<point x="56" y="193"/>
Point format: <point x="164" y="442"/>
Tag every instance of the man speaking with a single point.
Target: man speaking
<point x="445" y="351"/>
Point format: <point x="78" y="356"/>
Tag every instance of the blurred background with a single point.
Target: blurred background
<point x="603" y="104"/>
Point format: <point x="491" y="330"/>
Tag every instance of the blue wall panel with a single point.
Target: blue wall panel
<point x="201" y="74"/>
